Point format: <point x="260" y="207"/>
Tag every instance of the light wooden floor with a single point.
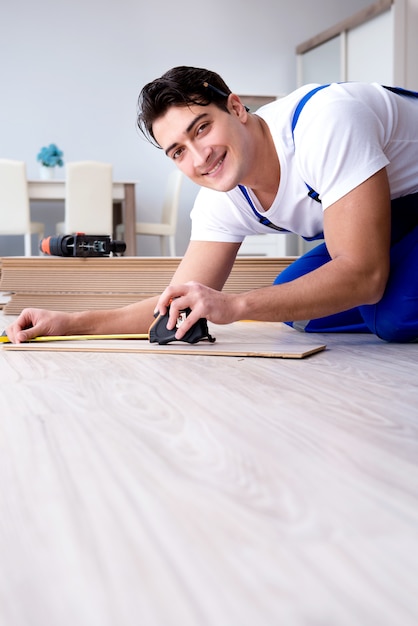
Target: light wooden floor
<point x="153" y="490"/>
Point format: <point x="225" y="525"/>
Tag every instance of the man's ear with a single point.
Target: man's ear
<point x="236" y="107"/>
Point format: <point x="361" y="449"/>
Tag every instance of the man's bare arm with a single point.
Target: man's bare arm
<point x="357" y="233"/>
<point x="205" y="262"/>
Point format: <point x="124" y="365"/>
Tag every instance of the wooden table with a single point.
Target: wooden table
<point x="165" y="490"/>
<point x="123" y="195"/>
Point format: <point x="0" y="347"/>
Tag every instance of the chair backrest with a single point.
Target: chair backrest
<point x="14" y="198"/>
<point x="172" y="199"/>
<point x="88" y="198"/>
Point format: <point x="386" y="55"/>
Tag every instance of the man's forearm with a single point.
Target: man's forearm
<point x="325" y="291"/>
<point x="134" y="318"/>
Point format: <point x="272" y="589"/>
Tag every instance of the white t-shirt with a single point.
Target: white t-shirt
<point x="345" y="133"/>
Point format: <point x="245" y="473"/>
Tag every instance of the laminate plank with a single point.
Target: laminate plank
<point x="242" y="339"/>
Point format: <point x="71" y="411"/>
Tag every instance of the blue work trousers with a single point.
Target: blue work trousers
<point x="395" y="317"/>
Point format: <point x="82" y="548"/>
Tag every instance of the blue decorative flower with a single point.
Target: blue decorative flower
<point x="51" y="156"/>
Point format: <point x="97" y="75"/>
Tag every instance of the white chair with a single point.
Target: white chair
<point x="14" y="204"/>
<point x="166" y="229"/>
<point x="88" y="199"/>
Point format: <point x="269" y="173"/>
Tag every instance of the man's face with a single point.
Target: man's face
<point x="206" y="143"/>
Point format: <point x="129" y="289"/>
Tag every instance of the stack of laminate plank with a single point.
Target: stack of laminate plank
<point x="78" y="283"/>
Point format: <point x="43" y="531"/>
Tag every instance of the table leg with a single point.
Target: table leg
<point x="116" y="216"/>
<point x="129" y="219"/>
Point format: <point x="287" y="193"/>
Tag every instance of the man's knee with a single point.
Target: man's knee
<point x="392" y="324"/>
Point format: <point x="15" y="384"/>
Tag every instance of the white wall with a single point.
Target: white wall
<point x="70" y="73"/>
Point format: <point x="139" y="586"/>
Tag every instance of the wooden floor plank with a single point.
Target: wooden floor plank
<point x="241" y="339"/>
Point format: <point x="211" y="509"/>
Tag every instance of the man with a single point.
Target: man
<point x="354" y="144"/>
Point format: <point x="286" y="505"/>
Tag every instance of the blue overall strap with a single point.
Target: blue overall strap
<point x="311" y="192"/>
<point x="302" y="103"/>
<point x="398" y="90"/>
<point x="402" y="92"/>
<point x="261" y="218"/>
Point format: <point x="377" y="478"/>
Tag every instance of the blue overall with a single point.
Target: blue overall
<point x="395" y="317"/>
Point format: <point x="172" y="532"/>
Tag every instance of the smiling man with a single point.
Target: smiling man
<point x="354" y="145"/>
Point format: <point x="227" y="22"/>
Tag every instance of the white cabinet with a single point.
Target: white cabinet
<point x="377" y="44"/>
<point x="376" y="36"/>
<point x="321" y="64"/>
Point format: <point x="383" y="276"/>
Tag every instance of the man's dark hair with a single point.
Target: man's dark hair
<point x="180" y="86"/>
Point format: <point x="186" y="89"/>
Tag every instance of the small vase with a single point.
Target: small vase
<point x="46" y="173"/>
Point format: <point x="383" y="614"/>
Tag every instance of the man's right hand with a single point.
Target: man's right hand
<point x="38" y="322"/>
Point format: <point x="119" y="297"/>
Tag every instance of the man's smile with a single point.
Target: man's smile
<point x="215" y="167"/>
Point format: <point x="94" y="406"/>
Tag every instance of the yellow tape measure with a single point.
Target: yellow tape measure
<point x="5" y="339"/>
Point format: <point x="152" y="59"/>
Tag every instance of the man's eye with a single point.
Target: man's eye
<point x="202" y="128"/>
<point x="177" y="153"/>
